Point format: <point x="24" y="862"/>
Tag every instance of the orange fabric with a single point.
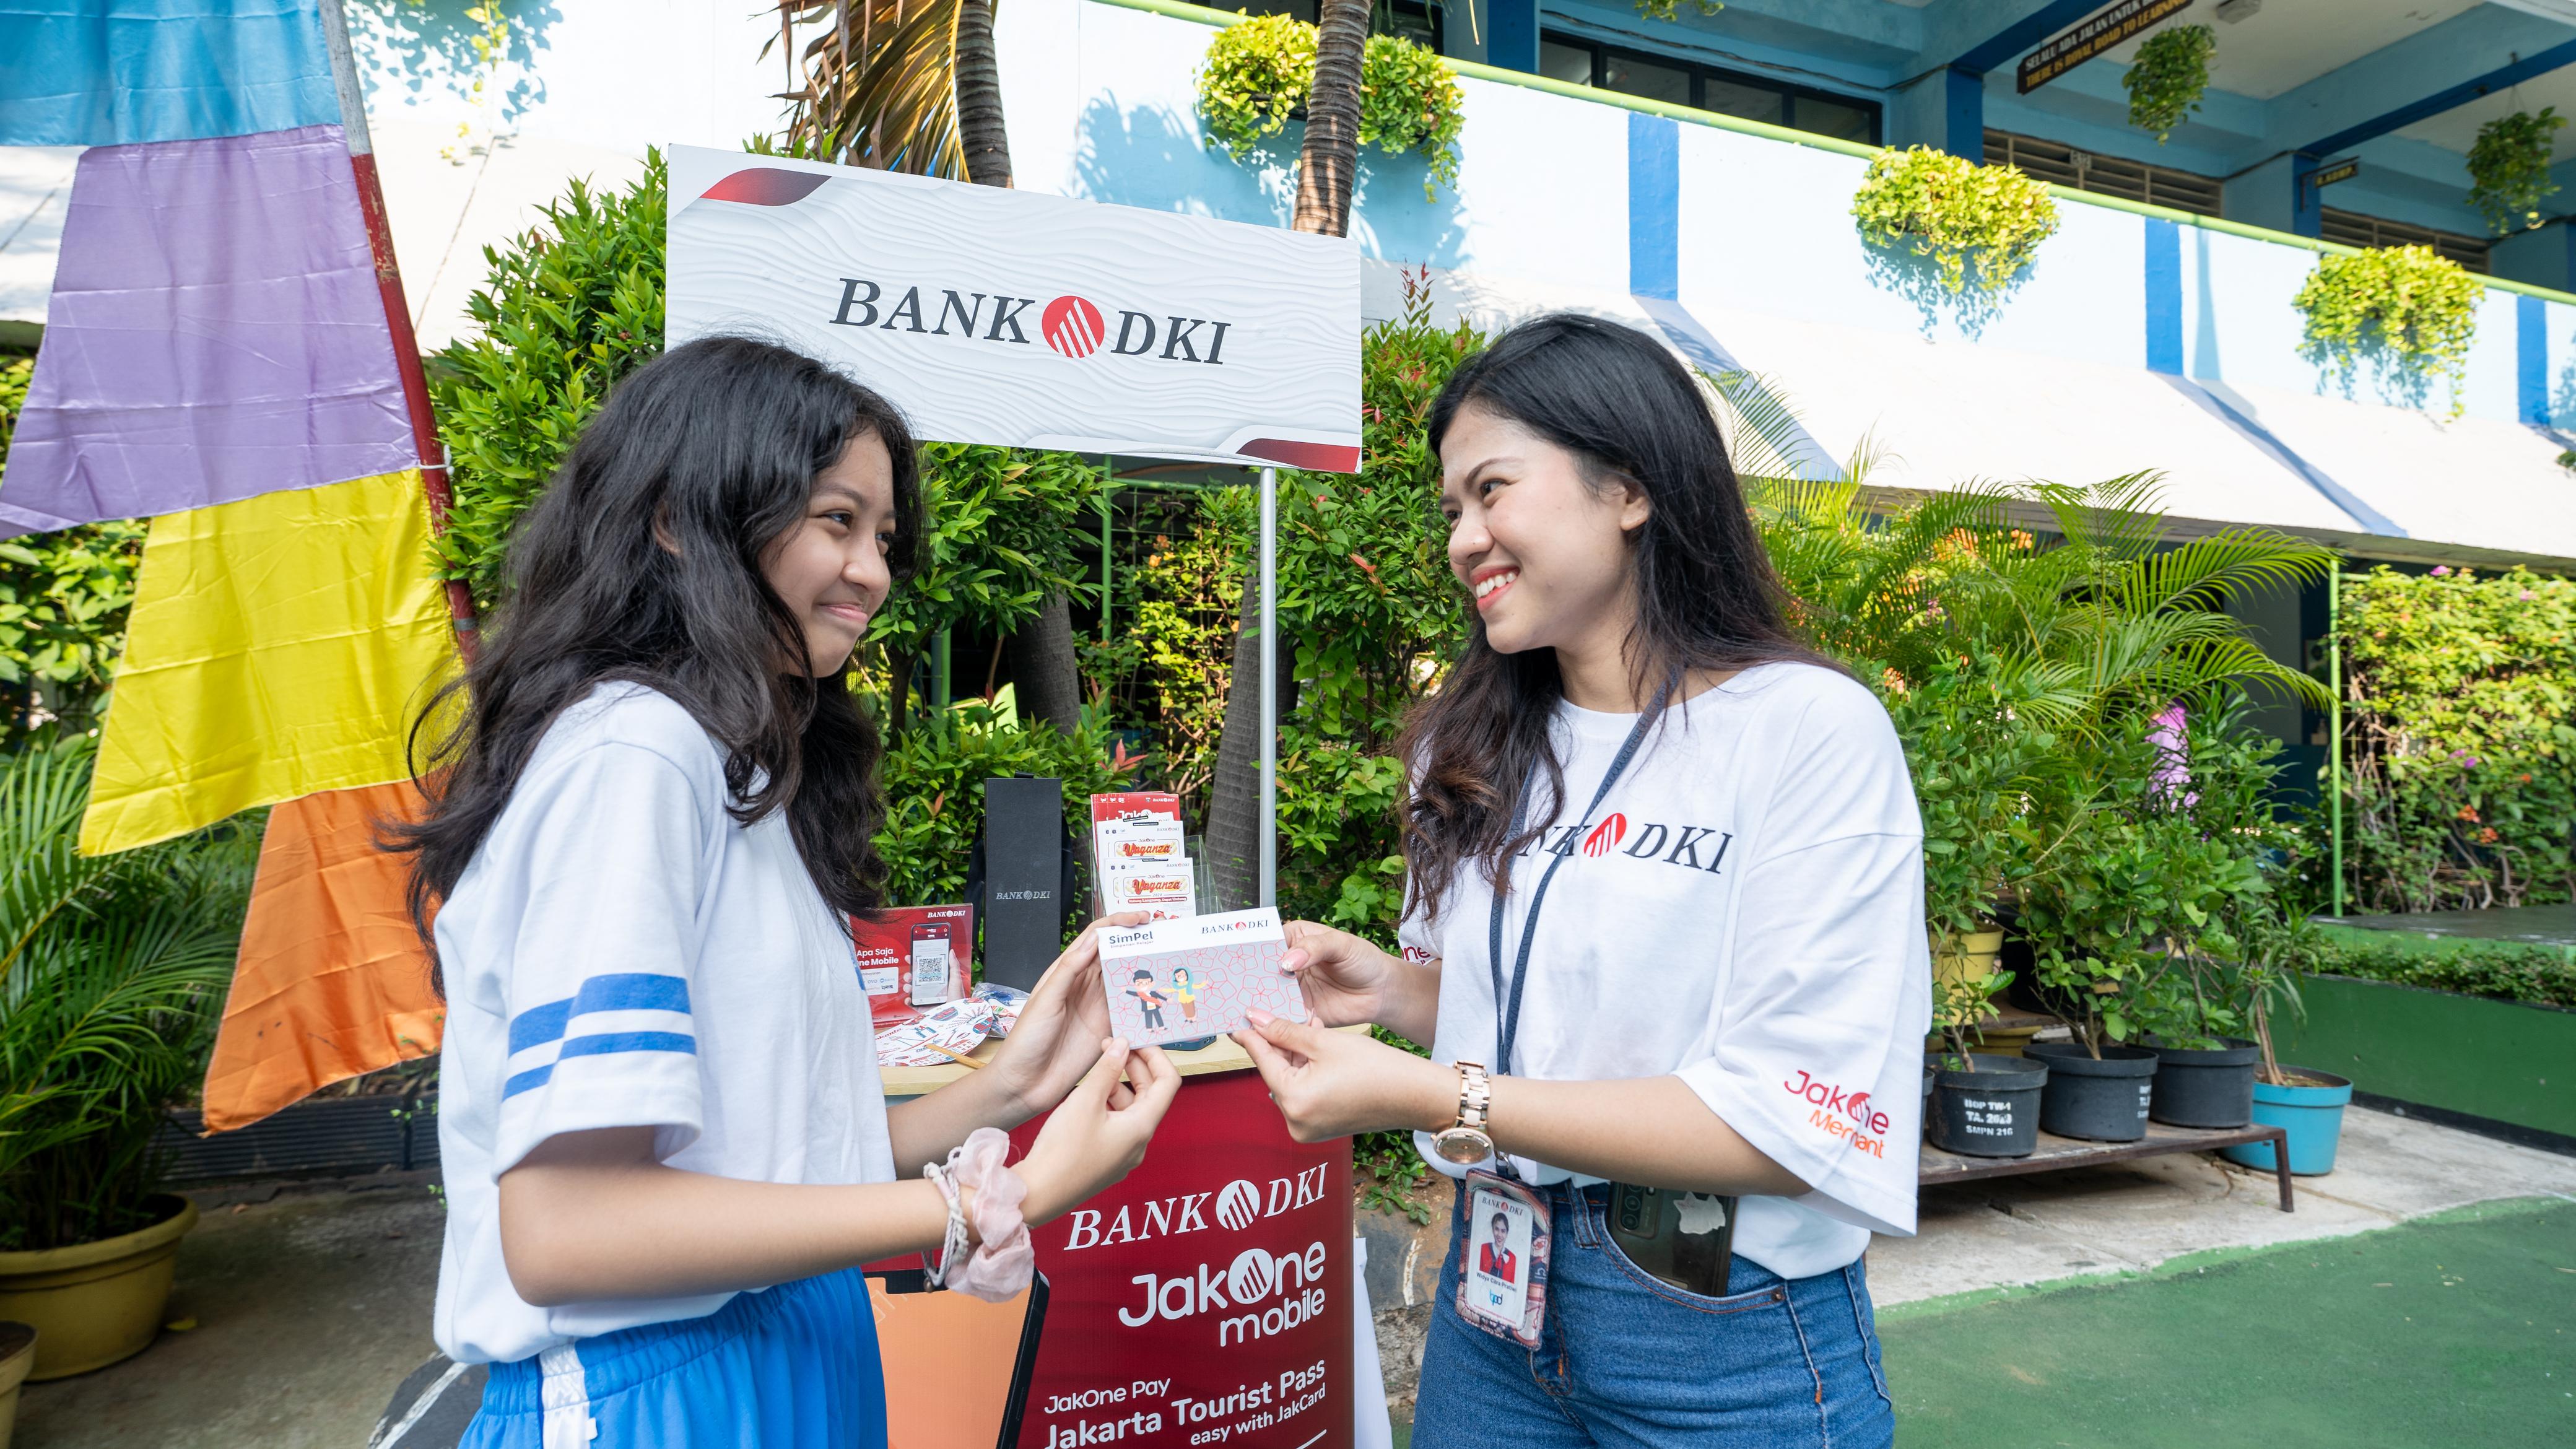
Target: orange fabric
<point x="331" y="981"/>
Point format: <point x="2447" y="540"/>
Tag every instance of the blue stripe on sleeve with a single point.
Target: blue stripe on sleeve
<point x="524" y="1081"/>
<point x="539" y="1024"/>
<point x="628" y="1041"/>
<point x="632" y="991"/>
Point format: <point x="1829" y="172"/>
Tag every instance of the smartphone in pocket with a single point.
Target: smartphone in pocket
<point x="1646" y="1224"/>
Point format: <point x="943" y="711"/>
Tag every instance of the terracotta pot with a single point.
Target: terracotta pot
<point x="17" y="1355"/>
<point x="95" y="1303"/>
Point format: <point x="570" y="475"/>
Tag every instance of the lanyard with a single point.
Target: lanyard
<point x="1508" y="1009"/>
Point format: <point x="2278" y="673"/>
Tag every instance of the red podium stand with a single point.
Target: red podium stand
<point x="1206" y="1300"/>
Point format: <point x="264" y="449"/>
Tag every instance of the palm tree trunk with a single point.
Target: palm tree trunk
<point x="1324" y="172"/>
<point x="1039" y="656"/>
<point x="979" y="97"/>
<point x="1331" y="153"/>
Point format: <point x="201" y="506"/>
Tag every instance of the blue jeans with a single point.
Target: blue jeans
<point x="1626" y="1359"/>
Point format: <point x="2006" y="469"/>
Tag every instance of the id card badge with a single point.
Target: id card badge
<point x="1502" y="1276"/>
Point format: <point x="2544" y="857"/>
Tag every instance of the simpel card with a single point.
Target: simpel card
<point x="1196" y="976"/>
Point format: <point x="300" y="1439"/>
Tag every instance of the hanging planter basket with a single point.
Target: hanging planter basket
<point x="2167" y="79"/>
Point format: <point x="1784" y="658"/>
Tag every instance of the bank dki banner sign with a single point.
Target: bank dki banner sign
<point x="1028" y="320"/>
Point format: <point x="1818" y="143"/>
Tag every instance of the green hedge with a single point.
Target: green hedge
<point x="2460" y="739"/>
<point x="2505" y="971"/>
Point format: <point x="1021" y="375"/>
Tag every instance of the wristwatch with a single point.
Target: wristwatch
<point x="1468" y="1142"/>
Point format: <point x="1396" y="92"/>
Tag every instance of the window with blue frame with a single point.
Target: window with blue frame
<point x="1582" y="62"/>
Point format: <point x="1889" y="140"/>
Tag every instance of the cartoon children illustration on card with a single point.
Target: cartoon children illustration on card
<point x="1186" y="992"/>
<point x="1149" y="998"/>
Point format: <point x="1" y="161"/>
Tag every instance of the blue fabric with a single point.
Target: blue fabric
<point x="1627" y="1360"/>
<point x="794" y="1366"/>
<point x="114" y="72"/>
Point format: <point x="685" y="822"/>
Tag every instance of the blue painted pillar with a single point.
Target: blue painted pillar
<point x="1511" y="34"/>
<point x="1963" y="114"/>
<point x="2164" y="296"/>
<point x="2307" y="198"/>
<point x="1654" y="206"/>
<point x="2531" y="360"/>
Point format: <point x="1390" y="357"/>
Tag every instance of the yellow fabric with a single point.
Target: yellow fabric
<point x="278" y="647"/>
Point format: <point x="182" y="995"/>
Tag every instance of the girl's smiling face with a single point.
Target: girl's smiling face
<point x="830" y="568"/>
<point x="1543" y="551"/>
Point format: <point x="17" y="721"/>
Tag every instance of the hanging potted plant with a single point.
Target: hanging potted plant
<point x="2167" y="79"/>
<point x="2410" y="309"/>
<point x="2509" y="168"/>
<point x="1259" y="72"/>
<point x="117" y="970"/>
<point x="1978" y="225"/>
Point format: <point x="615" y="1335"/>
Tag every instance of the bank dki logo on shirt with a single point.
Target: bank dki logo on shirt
<point x="1693" y="847"/>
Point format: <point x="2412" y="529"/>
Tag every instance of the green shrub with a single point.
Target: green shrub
<point x="2459" y="739"/>
<point x="110" y="986"/>
<point x="63" y="601"/>
<point x="2506" y="972"/>
<point x="570" y="307"/>
<point x="934" y="776"/>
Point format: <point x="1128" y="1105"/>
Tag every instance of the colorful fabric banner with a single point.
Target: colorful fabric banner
<point x="278" y="646"/>
<point x="331" y="982"/>
<point x="216" y="332"/>
<point x="115" y="72"/>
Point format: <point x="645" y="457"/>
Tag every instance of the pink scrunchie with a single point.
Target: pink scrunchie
<point x="1005" y="1259"/>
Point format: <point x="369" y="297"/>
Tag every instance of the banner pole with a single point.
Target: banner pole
<point x="2334" y="723"/>
<point x="1270" y="686"/>
<point x="380" y="243"/>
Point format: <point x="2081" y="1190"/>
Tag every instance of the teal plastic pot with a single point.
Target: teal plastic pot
<point x="2313" y="1116"/>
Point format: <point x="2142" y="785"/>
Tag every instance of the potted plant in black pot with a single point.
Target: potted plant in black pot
<point x="114" y="975"/>
<point x="2125" y="903"/>
<point x="1974" y="1104"/>
<point x="2225" y="976"/>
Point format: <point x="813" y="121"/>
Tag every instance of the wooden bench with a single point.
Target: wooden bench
<point x="2055" y="1152"/>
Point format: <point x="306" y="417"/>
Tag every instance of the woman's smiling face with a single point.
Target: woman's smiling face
<point x="830" y="568"/>
<point x="1542" y="552"/>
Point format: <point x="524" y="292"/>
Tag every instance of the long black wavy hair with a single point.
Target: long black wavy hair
<point x="1707" y="598"/>
<point x="643" y="562"/>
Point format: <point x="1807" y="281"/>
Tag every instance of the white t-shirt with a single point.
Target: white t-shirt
<point x="621" y="953"/>
<point x="1745" y="912"/>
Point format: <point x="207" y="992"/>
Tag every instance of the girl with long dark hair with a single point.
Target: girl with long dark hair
<point x="1664" y="931"/>
<point x="650" y="812"/>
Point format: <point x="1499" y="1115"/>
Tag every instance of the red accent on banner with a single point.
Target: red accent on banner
<point x="765" y="186"/>
<point x="1209" y="1291"/>
<point x="1322" y="457"/>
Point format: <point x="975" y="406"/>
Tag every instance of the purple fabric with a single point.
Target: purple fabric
<point x="215" y="333"/>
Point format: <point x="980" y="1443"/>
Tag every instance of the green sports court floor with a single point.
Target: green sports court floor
<point x="2457" y="1329"/>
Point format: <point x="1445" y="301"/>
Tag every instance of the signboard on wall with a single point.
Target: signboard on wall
<point x="1022" y="319"/>
<point x="2097" y="34"/>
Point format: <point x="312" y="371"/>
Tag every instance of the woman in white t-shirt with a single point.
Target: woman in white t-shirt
<point x="1691" y="1024"/>
<point x="665" y="1144"/>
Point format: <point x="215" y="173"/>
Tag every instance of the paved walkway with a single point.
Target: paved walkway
<point x="2012" y="1232"/>
<point x="308" y="1308"/>
<point x="311" y="1306"/>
